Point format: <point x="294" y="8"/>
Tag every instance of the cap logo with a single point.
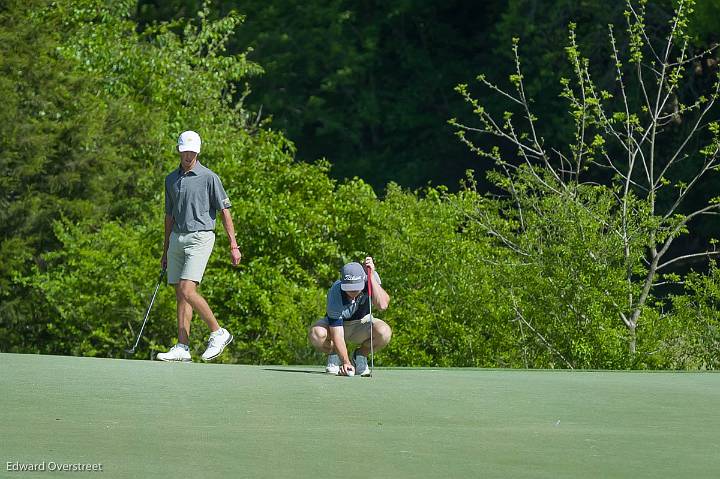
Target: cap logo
<point x="350" y="277"/>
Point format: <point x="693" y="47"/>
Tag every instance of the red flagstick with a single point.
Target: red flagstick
<point x="372" y="352"/>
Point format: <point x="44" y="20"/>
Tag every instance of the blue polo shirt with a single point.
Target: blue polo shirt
<point x="341" y="308"/>
<point x="194" y="198"/>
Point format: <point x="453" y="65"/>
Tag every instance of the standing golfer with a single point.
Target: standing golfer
<point x="194" y="196"/>
<point x="348" y="318"/>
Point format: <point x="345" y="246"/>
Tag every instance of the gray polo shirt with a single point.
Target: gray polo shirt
<point x="194" y="198"/>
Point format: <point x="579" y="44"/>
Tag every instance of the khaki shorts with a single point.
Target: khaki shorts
<point x="356" y="331"/>
<point x="188" y="255"/>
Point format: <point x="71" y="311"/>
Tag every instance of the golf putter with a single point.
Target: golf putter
<point x="372" y="351"/>
<point x="147" y="313"/>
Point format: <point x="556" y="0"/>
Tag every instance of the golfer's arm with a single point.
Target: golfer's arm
<point x="380" y="299"/>
<point x="337" y="335"/>
<point x="229" y="227"/>
<point x="169" y="221"/>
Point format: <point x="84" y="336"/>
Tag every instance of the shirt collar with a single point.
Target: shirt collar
<point x="195" y="170"/>
<point x="346" y="299"/>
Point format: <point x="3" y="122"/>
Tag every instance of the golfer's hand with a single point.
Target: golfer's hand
<point x="369" y="263"/>
<point x="235" y="256"/>
<point x="345" y="368"/>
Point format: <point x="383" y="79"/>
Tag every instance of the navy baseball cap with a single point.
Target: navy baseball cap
<point x="352" y="277"/>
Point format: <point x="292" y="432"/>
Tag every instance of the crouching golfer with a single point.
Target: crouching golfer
<point x="348" y="318"/>
<point x="193" y="197"/>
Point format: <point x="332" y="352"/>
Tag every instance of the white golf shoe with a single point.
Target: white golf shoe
<point x="216" y="344"/>
<point x="179" y="352"/>
<point x="333" y="364"/>
<point x="361" y="365"/>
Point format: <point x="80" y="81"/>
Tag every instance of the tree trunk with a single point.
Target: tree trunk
<point x="633" y="340"/>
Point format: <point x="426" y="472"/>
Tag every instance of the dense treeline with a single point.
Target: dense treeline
<point x="531" y="276"/>
<point x="369" y="85"/>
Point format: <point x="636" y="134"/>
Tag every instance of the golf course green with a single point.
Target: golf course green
<point x="141" y="419"/>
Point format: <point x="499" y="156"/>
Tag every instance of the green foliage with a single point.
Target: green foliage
<point x="534" y="275"/>
<point x="445" y="308"/>
<point x="365" y="85"/>
<point x="564" y="276"/>
<point x="582" y="273"/>
<point x="99" y="284"/>
<point x="590" y="253"/>
<point x="60" y="144"/>
<point x="694" y="323"/>
<point x="703" y="21"/>
<point x="293" y="224"/>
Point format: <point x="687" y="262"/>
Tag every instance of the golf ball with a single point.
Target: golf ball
<point x="350" y="372"/>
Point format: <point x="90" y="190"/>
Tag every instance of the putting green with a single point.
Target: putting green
<point x="150" y="419"/>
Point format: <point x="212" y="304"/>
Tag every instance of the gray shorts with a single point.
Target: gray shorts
<point x="356" y="331"/>
<point x="188" y="255"/>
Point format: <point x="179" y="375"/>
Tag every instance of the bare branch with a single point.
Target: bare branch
<point x="640" y="19"/>
<point x="709" y="164"/>
<point x="692" y="132"/>
<point x="542" y="338"/>
<point x="680" y="258"/>
<point x="493" y="232"/>
<point x="623" y="316"/>
<point x="523" y="99"/>
<point x="663" y="283"/>
<point x="499" y="90"/>
<point x="707" y="210"/>
<point x="516" y="197"/>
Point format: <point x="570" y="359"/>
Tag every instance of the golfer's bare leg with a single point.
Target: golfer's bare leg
<point x="318" y="336"/>
<point x="184" y="317"/>
<point x="187" y="289"/>
<point x="381" y="334"/>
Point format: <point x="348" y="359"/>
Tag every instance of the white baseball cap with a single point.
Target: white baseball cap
<point x="189" y="141"/>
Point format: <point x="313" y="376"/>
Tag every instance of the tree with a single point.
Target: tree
<point x="367" y="85"/>
<point x="60" y="148"/>
<point x="89" y="286"/>
<point x="652" y="148"/>
<point x="694" y="324"/>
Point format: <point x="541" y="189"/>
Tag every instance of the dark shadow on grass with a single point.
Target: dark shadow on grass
<point x="306" y="371"/>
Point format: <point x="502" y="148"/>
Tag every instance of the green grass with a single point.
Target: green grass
<point x="151" y="419"/>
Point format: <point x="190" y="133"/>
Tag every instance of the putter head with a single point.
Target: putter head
<point x="130" y="351"/>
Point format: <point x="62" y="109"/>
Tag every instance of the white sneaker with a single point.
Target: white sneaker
<point x="176" y="353"/>
<point x="333" y="364"/>
<point x="361" y="365"/>
<point x="216" y="344"/>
